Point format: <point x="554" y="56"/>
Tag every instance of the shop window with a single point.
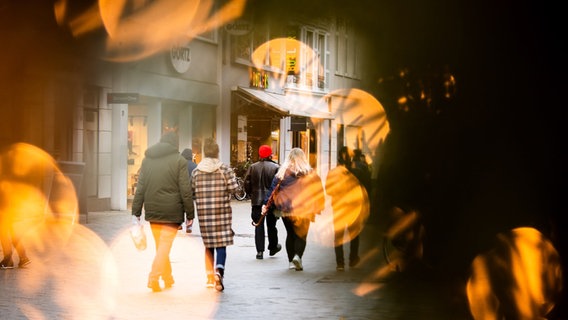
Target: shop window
<point x="313" y="61"/>
<point x="244" y="45"/>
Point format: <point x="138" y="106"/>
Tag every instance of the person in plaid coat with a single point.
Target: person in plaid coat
<point x="213" y="183"/>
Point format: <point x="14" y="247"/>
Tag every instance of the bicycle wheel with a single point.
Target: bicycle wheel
<point x="393" y="253"/>
<point x="241" y="193"/>
<point x="403" y="243"/>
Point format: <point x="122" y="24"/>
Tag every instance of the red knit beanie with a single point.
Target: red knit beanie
<point x="264" y="151"/>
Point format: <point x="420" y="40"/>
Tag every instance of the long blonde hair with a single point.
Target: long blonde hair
<point x="296" y="162"/>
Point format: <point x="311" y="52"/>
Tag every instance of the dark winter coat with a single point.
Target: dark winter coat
<point x="163" y="187"/>
<point x="258" y="180"/>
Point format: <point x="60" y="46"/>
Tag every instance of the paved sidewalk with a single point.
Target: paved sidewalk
<point x="99" y="274"/>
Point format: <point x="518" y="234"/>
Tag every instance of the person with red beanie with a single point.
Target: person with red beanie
<point x="257" y="182"/>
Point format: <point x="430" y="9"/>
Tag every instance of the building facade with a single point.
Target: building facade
<point x="300" y="82"/>
<point x="293" y="81"/>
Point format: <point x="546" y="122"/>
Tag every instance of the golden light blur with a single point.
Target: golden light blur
<point x="520" y="278"/>
<point x="306" y="202"/>
<point x="359" y="108"/>
<point x="38" y="208"/>
<point x="186" y="258"/>
<point x="283" y="56"/>
<point x="137" y="30"/>
<point x="85" y="277"/>
<point x="350" y="204"/>
<point x="404" y="239"/>
<point x="34" y="192"/>
<point x="374" y="281"/>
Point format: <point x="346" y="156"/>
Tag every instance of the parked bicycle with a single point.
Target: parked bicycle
<point x="403" y="242"/>
<point x="241" y="193"/>
<point x="240" y="171"/>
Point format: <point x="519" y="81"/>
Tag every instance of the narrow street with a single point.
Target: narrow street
<point x="100" y="275"/>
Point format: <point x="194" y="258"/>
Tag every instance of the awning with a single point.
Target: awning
<point x="287" y="105"/>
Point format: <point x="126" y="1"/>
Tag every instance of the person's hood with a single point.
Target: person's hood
<point x="187" y="153"/>
<point x="160" y="149"/>
<point x="209" y="165"/>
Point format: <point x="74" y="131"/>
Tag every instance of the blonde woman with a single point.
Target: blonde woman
<point x="299" y="196"/>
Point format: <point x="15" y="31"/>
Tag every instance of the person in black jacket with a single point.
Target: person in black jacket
<point x="257" y="181"/>
<point x="360" y="168"/>
<point x="164" y="191"/>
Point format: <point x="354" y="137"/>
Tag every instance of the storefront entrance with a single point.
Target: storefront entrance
<point x="192" y="123"/>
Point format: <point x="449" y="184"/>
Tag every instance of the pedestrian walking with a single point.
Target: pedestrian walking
<point x="187" y="153"/>
<point x="299" y="196"/>
<point x="258" y="180"/>
<point x="213" y="183"/>
<point x="10" y="239"/>
<point x="21" y="173"/>
<point x="360" y="168"/>
<point x="164" y="191"/>
<point x="349" y="201"/>
<point x="10" y="236"/>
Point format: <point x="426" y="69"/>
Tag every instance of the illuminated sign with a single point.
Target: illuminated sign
<point x="292" y="56"/>
<point x="259" y="80"/>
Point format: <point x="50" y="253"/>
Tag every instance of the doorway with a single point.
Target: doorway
<point x="137" y="144"/>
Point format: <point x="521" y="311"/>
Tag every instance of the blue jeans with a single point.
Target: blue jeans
<point x="219" y="264"/>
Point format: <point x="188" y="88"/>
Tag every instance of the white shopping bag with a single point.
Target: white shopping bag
<point x="137" y="234"/>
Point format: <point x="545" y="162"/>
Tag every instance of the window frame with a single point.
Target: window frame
<point x="347" y="53"/>
<point x="317" y="40"/>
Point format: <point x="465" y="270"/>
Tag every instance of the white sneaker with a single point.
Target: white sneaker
<point x="297" y="261"/>
<point x="292" y="266"/>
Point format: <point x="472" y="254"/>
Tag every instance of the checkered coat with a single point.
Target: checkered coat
<point x="213" y="183"/>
